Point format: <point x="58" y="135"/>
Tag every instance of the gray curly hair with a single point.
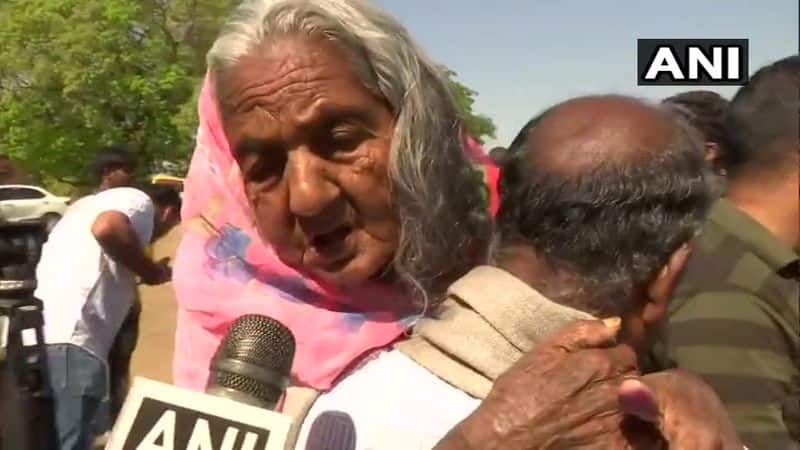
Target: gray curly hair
<point x="441" y="204"/>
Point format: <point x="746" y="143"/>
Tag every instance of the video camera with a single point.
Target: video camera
<point x="26" y="409"/>
<point x="20" y="248"/>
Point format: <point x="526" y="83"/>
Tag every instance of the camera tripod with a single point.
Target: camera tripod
<point x="26" y="406"/>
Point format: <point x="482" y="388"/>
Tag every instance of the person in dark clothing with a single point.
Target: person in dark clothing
<point x="735" y="320"/>
<point x="705" y="111"/>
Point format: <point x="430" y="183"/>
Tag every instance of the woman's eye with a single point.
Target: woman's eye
<point x="265" y="170"/>
<point x="342" y="135"/>
<point x="347" y="138"/>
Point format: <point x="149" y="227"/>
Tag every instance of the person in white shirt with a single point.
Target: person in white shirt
<point x="114" y="167"/>
<point x="86" y="280"/>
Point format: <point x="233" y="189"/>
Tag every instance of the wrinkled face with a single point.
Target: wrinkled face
<point x="313" y="146"/>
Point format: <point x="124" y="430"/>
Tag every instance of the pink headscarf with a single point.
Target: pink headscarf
<point x="223" y="270"/>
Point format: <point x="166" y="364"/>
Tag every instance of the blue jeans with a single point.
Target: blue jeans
<point x="78" y="382"/>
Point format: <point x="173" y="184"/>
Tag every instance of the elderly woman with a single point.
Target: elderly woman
<point x="331" y="188"/>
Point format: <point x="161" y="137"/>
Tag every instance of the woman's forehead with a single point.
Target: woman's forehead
<point x="293" y="86"/>
<point x="286" y="65"/>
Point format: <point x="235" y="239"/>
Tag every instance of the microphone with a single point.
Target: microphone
<point x="248" y="376"/>
<point x="332" y="430"/>
<point x="253" y="363"/>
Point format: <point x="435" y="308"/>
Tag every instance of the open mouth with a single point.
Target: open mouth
<point x="331" y="241"/>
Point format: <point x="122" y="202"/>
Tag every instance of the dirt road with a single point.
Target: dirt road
<point x="153" y="356"/>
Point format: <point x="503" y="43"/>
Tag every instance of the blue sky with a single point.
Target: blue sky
<point x="524" y="55"/>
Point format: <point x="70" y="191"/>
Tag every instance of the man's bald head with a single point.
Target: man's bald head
<point x="605" y="188"/>
<point x="588" y="132"/>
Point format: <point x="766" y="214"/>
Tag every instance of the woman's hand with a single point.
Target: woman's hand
<point x="580" y="390"/>
<point x="562" y="395"/>
<point x="686" y="411"/>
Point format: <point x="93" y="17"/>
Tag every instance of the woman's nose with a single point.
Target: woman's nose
<point x="310" y="188"/>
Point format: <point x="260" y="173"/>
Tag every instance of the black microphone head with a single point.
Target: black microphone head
<point x="259" y="340"/>
<point x="254" y="361"/>
<point x="332" y="430"/>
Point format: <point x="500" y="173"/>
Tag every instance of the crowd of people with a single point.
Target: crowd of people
<point x="624" y="275"/>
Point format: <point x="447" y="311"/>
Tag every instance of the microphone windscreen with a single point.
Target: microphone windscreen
<point x="254" y="361"/>
<point x="332" y="430"/>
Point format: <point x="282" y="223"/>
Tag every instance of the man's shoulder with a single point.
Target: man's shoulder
<point x="706" y="315"/>
<point x="733" y="318"/>
<point x="126" y="194"/>
<point x="393" y="366"/>
<point x="395" y="403"/>
<point x="725" y="274"/>
<point x="132" y="202"/>
<point x="731" y="301"/>
<point x="719" y="258"/>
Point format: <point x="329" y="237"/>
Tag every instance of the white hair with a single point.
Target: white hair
<point x="440" y="200"/>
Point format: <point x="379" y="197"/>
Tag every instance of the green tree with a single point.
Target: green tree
<point x="76" y="75"/>
<point x="479" y="126"/>
<point x="80" y="74"/>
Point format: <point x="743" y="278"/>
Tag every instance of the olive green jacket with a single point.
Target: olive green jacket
<point x="735" y="321"/>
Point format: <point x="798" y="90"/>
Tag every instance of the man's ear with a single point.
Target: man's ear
<point x="660" y="290"/>
<point x="172" y="215"/>
<point x="713" y="154"/>
<point x="714" y="158"/>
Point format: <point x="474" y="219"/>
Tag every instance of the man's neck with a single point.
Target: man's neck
<point x="775" y="206"/>
<point x="520" y="261"/>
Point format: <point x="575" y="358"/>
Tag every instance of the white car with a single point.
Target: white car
<point x="21" y="203"/>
